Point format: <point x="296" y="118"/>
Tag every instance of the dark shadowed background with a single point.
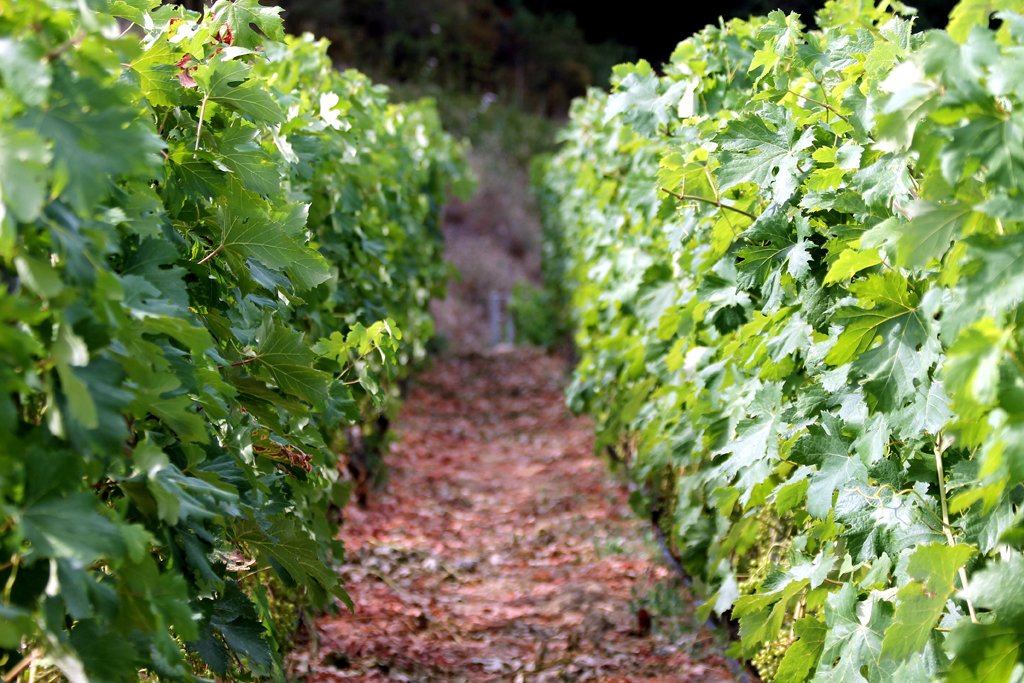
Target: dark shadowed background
<point x="538" y="54"/>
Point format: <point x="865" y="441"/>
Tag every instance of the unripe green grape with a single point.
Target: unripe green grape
<point x="768" y="659"/>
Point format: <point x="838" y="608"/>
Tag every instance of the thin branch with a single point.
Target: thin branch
<point x="15" y="563"/>
<point x="255" y="571"/>
<point x="241" y="362"/>
<point x="820" y="104"/>
<point x="210" y="255"/>
<point x="712" y="202"/>
<point x="899" y="207"/>
<point x="375" y="347"/>
<point x="22" y="665"/>
<point x="160" y="129"/>
<point x="50" y="56"/>
<point x="202" y="113"/>
<point x="711" y="182"/>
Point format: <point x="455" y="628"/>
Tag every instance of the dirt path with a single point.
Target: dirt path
<point x="501" y="550"/>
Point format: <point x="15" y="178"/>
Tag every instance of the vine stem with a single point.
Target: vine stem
<point x="246" y="576"/>
<point x="73" y="42"/>
<point x="945" y="518"/>
<point x="199" y="128"/>
<point x="22" y="665"/>
<point x="210" y="255"/>
<point x="15" y="563"/>
<point x="241" y="362"/>
<point x="712" y="202"/>
<point x="820" y="104"/>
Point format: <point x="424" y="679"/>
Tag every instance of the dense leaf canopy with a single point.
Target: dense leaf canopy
<point x="792" y="261"/>
<point x="216" y="252"/>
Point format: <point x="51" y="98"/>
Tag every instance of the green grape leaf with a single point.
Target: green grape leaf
<point x="851" y="262"/>
<point x="229" y="84"/>
<point x="306" y="383"/>
<point x="15" y="624"/>
<point x="801" y="658"/>
<point x="852" y="644"/>
<point x="156" y="393"/>
<point x="884" y="182"/>
<point x="70" y="528"/>
<point x="642" y="106"/>
<point x="249" y="232"/>
<point x="932" y="227"/>
<point x="985" y="653"/>
<point x="1000" y="587"/>
<point x="923" y="600"/>
<point x="996" y="142"/>
<point x="155" y="68"/>
<point x="195" y="176"/>
<point x="969" y="13"/>
<point x="775" y="249"/>
<point x="763" y="150"/>
<point x="928" y="414"/>
<point x="972" y="367"/>
<point x="234" y="617"/>
<point x="761" y="615"/>
<point x="309" y="269"/>
<point x="246" y="159"/>
<point x="23" y="172"/>
<point x="887" y="310"/>
<point x="757" y="437"/>
<point x="288" y="357"/>
<point x="88" y="136"/>
<point x="25" y="69"/>
<point x="240" y="14"/>
<point x="277" y="344"/>
<point x="70" y="352"/>
<point x="44" y="280"/>
<point x="134" y="11"/>
<point x="825" y="446"/>
<point x="992" y="284"/>
<point x="291" y="546"/>
<point x="104" y="655"/>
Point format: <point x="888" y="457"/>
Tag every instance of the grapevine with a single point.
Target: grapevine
<point x="216" y="254"/>
<point x="792" y="262"/>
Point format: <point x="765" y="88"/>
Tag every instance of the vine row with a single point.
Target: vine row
<point x="216" y="254"/>
<point x="793" y="261"/>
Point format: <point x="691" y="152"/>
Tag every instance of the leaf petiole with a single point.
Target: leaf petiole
<point x="210" y="255"/>
<point x="712" y="202"/>
<point x="202" y="113"/>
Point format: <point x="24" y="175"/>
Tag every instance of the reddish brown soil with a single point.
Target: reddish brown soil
<point x="501" y="549"/>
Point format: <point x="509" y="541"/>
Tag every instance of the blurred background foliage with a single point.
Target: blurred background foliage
<point x="503" y="73"/>
<point x="537" y="60"/>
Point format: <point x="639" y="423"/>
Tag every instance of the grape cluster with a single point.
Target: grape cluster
<point x="758" y="573"/>
<point x="769" y="657"/>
